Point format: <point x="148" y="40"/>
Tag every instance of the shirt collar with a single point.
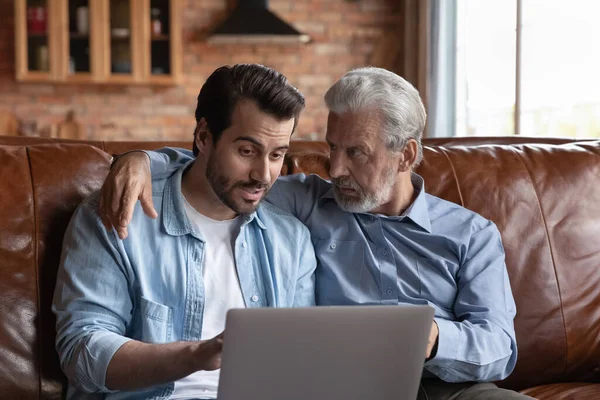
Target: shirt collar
<point x="418" y="211"/>
<point x="174" y="218"/>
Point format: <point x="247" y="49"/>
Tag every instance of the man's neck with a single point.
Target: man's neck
<point x="402" y="196"/>
<point x="200" y="194"/>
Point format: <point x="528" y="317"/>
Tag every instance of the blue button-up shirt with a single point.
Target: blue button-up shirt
<point x="436" y="253"/>
<point x="149" y="287"/>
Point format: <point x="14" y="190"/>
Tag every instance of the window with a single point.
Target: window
<point x="527" y="67"/>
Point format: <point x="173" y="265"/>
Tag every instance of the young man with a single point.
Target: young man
<point x="381" y="239"/>
<point x="142" y="317"/>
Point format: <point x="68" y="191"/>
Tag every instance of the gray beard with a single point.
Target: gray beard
<point x="364" y="202"/>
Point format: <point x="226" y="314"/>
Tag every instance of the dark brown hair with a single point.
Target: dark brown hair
<point x="267" y="88"/>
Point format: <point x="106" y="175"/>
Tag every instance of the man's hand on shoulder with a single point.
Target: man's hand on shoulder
<point x="129" y="180"/>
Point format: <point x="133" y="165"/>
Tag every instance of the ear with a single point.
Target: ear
<point x="203" y="137"/>
<point x="408" y="156"/>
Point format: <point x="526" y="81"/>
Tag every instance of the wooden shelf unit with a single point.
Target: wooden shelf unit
<point x="100" y="47"/>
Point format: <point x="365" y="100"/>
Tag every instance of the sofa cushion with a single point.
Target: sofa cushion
<point x="42" y="186"/>
<point x="18" y="278"/>
<point x="565" y="391"/>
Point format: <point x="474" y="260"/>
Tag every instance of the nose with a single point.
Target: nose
<point x="261" y="171"/>
<point x="337" y="167"/>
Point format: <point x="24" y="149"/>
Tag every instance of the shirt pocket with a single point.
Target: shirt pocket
<point x="340" y="275"/>
<point x="437" y="284"/>
<point x="156" y="321"/>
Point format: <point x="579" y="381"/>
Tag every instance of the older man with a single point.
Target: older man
<point x="380" y="238"/>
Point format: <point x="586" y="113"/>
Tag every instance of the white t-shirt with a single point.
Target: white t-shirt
<point x="222" y="292"/>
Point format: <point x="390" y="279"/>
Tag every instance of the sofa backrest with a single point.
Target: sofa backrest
<point x="544" y="197"/>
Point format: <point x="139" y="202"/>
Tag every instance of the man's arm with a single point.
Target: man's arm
<point x="137" y="365"/>
<point x="93" y="303"/>
<point x="480" y="345"/>
<point x="131" y="175"/>
<point x="297" y="194"/>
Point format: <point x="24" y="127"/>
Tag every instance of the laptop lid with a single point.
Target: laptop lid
<point x="324" y="353"/>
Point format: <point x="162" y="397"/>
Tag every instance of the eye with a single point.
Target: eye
<point x="247" y="152"/>
<point x="354" y="152"/>
<point x="331" y="146"/>
<point x="277" y="156"/>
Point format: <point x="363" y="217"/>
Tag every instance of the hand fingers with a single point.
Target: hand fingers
<point x="122" y="232"/>
<point x="115" y="200"/>
<point x="218" y="340"/>
<point x="127" y="205"/>
<point x="147" y="203"/>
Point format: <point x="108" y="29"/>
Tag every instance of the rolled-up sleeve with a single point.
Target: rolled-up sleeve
<point x="92" y="300"/>
<point x="480" y="344"/>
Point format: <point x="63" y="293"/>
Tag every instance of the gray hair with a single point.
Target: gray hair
<point x="398" y="101"/>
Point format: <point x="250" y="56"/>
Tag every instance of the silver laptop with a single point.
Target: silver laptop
<point x="324" y="353"/>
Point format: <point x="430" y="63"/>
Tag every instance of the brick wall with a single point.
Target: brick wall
<point x="344" y="32"/>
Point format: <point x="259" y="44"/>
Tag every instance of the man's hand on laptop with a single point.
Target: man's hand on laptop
<point x="129" y="180"/>
<point x="208" y="353"/>
<point x="432" y="342"/>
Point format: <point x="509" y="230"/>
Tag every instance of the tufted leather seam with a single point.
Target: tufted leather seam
<point x="462" y="201"/>
<point x="36" y="268"/>
<point x="562" y="311"/>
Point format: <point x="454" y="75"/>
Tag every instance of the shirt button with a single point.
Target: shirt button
<point x="389" y="291"/>
<point x="244" y="244"/>
<point x="384" y="252"/>
<point x="332" y="246"/>
<point x="254" y="298"/>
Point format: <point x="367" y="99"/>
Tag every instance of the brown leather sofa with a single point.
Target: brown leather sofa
<point x="544" y="195"/>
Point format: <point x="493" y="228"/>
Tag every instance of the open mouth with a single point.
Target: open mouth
<point x="252" y="194"/>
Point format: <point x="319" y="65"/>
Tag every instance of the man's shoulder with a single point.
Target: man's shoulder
<point x="444" y="213"/>
<point x="275" y="218"/>
<point x="86" y="218"/>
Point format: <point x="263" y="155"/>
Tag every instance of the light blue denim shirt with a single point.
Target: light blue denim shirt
<point x="436" y="253"/>
<point x="149" y="287"/>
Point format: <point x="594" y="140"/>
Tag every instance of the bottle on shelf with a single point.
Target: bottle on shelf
<point x="83" y="25"/>
<point x="36" y="20"/>
<point x="157" y="29"/>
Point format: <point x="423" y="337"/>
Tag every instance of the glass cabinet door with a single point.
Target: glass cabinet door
<point x="79" y="37"/>
<point x="121" y="37"/>
<point x="33" y="19"/>
<point x="160" y="45"/>
<point x="163" y="30"/>
<point x="38" y="55"/>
